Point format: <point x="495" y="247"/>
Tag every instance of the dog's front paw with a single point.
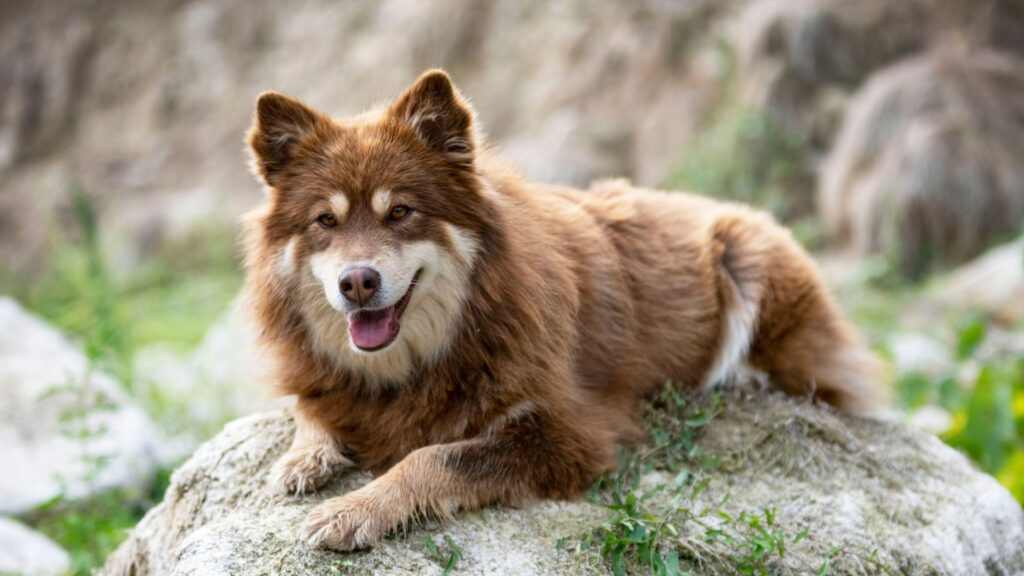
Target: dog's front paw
<point x="347" y="523"/>
<point x="305" y="469"/>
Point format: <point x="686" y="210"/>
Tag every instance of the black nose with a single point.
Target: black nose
<point x="359" y="284"/>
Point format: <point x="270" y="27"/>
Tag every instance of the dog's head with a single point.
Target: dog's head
<point x="373" y="224"/>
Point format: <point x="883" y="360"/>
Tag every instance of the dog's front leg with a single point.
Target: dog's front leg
<point x="314" y="457"/>
<point x="530" y="456"/>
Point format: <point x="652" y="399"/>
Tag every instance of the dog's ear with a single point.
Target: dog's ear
<point x="279" y="124"/>
<point x="439" y="116"/>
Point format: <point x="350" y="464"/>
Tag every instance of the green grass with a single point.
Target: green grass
<point x="171" y="298"/>
<point x="743" y="155"/>
<point x="447" y="554"/>
<point x="91" y="529"/>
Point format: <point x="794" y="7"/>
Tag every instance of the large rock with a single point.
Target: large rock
<point x="926" y="168"/>
<point x="26" y="552"/>
<point x="65" y="428"/>
<point x="885" y="495"/>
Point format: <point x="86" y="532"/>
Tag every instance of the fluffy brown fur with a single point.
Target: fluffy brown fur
<point x="543" y="318"/>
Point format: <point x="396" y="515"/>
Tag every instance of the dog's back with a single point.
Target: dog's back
<point x="703" y="293"/>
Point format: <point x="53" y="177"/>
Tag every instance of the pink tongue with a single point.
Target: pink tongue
<point x="372" y="329"/>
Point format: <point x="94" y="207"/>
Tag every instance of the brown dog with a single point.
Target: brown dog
<point x="474" y="339"/>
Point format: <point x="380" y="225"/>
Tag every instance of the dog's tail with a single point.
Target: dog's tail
<point x="780" y="325"/>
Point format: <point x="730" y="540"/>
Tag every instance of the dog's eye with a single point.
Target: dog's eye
<point x="399" y="212"/>
<point x="327" y="220"/>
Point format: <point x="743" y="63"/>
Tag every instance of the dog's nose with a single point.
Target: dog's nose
<point x="359" y="284"/>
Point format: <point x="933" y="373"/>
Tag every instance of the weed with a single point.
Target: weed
<point x="664" y="529"/>
<point x="172" y="298"/>
<point x="341" y="567"/>
<point x="447" y="555"/>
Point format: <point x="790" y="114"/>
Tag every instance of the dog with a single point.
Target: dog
<point x="473" y="339"/>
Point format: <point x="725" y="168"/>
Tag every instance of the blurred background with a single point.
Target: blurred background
<point x="889" y="134"/>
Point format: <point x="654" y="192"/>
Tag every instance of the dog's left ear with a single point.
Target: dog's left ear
<point x="439" y="116"/>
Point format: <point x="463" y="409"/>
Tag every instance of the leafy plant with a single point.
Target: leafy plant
<point x="986" y="400"/>
<point x="172" y="297"/>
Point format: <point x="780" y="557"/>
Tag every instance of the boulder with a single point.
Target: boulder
<point x="26" y="552"/>
<point x="926" y="169"/>
<point x="66" y="429"/>
<point x="869" y="494"/>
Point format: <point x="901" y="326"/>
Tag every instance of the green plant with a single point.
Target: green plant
<point x="91" y="529"/>
<point x="447" y="555"/>
<point x="170" y="298"/>
<point x="669" y="528"/>
<point x="985" y="397"/>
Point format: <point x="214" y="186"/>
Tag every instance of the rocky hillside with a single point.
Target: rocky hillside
<point x="144" y="104"/>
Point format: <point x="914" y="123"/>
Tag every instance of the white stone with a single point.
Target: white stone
<point x="65" y="428"/>
<point x="913" y="352"/>
<point x="992" y="283"/>
<point x="28" y="553"/>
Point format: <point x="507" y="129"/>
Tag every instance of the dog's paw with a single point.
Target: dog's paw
<point x="346" y="523"/>
<point x="305" y="469"/>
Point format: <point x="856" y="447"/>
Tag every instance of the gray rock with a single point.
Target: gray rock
<point x="27" y="552"/>
<point x="886" y="495"/>
<point x="65" y="428"/>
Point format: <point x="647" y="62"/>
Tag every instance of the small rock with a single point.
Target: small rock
<point x="930" y="419"/>
<point x="992" y="283"/>
<point x="65" y="428"/>
<point x="919" y="353"/>
<point x="27" y="552"/>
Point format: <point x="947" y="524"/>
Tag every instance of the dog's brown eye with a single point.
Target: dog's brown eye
<point x="399" y="212"/>
<point x="327" y="220"/>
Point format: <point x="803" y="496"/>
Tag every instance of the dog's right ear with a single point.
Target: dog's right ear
<point x="279" y="125"/>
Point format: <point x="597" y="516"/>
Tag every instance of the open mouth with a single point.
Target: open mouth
<point x="373" y="330"/>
